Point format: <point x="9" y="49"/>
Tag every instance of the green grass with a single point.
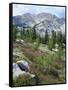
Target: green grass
<point x="22" y="80"/>
<point x="48" y="69"/>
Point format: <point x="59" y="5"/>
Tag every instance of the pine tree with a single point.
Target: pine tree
<point x="59" y="38"/>
<point x="27" y="34"/>
<point x="21" y="33"/>
<point x="33" y="34"/>
<point x="50" y="43"/>
<point x="46" y="36"/>
<point x="36" y="44"/>
<point x="54" y="38"/>
<point x="14" y="33"/>
<point x="39" y="38"/>
<point x="64" y="38"/>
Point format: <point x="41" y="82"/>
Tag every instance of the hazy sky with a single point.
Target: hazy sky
<point x="19" y="9"/>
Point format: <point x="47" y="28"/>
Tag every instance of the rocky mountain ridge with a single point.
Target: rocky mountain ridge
<point x="41" y="21"/>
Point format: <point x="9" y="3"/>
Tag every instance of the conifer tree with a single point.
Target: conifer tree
<point x="54" y="38"/>
<point x="59" y="38"/>
<point x="33" y="34"/>
<point x="22" y="33"/>
<point x="46" y="36"/>
<point x="50" y="43"/>
<point x="14" y="33"/>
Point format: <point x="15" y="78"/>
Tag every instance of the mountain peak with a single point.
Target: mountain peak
<point x="43" y="20"/>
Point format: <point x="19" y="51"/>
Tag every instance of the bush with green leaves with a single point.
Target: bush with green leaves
<point x="45" y="60"/>
<point x="54" y="72"/>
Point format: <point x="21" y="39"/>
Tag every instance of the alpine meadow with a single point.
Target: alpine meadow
<point x="39" y="45"/>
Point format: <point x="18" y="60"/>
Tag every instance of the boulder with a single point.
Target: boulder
<point x="17" y="71"/>
<point x="23" y="65"/>
<point x="21" y="68"/>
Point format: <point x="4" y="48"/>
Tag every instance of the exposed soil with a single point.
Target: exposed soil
<point x="28" y="51"/>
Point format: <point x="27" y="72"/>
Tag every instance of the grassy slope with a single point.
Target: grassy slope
<point x="54" y="67"/>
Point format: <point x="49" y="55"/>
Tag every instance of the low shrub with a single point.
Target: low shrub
<point x="54" y="72"/>
<point x="22" y="80"/>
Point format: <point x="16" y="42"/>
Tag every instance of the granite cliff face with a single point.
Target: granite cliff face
<point x="41" y="21"/>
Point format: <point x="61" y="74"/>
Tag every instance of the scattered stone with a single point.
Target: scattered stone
<point x="55" y="50"/>
<point x="17" y="40"/>
<point x="22" y="41"/>
<point x="32" y="75"/>
<point x="16" y="54"/>
<point x="56" y="45"/>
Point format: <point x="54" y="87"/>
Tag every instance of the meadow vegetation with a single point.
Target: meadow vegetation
<point x="47" y="65"/>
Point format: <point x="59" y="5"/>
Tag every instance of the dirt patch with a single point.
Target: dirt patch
<point x="28" y="51"/>
<point x="61" y="62"/>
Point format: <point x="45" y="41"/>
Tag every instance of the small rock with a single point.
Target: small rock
<point x="55" y="50"/>
<point x="17" y="40"/>
<point x="22" y="41"/>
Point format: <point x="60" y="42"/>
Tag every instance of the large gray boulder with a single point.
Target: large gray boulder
<point x="23" y="65"/>
<point x="17" y="71"/>
<point x="22" y="68"/>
